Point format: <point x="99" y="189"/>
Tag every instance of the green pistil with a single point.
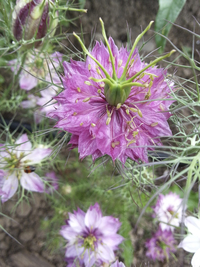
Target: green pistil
<point x="89" y="242"/>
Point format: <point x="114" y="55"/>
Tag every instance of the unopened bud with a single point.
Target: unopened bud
<point x="31" y="19"/>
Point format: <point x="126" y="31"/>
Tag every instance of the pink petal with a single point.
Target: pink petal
<point x="27" y="81"/>
<point x="9" y="187"/>
<point x="32" y="182"/>
<point x="37" y="155"/>
<point x="93" y="216"/>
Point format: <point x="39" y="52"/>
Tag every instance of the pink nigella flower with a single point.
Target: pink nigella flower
<point x="18" y="164"/>
<point x="92" y="238"/>
<point x="38" y="67"/>
<point x="169" y="210"/>
<point x="161" y="245"/>
<point x="114" y="103"/>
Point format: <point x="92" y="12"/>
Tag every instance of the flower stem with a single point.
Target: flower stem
<point x="133" y="48"/>
<point x="88" y="53"/>
<point x="148" y="66"/>
<point x="109" y="49"/>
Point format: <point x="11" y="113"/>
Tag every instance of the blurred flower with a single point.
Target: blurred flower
<point x="114" y="103"/>
<point x="33" y="18"/>
<point x="18" y="164"/>
<point x="117" y="264"/>
<point x="38" y="67"/>
<point x="169" y="211"/>
<point x="31" y="102"/>
<point x="92" y="238"/>
<point x="161" y="245"/>
<point x="191" y="242"/>
<point x="52" y="182"/>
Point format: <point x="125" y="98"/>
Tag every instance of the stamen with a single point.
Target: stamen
<point x="162" y="107"/>
<point x="120" y="63"/>
<point x="154" y="124"/>
<point x="75" y="113"/>
<point x="86" y="99"/>
<point x="81" y="123"/>
<point x="79" y="89"/>
<point x="99" y="91"/>
<point x="139" y="113"/>
<point x="118" y="106"/>
<point x="89" y="67"/>
<point x="93" y="124"/>
<point x="88" y="83"/>
<point x="108" y="120"/>
<point x="114" y="144"/>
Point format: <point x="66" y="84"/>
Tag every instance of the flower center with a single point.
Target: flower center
<point x="89" y="242"/>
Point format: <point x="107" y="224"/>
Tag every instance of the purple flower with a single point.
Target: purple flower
<point x="114" y="103"/>
<point x="32" y="19"/>
<point x="168" y="211"/>
<point x="38" y="67"/>
<point x="18" y="164"/>
<point x="161" y="245"/>
<point x="92" y="238"/>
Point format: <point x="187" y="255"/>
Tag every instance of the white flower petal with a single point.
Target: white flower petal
<point x="31" y="181"/>
<point x="37" y="155"/>
<point x="9" y="187"/>
<point x="190" y="243"/>
<point x="193" y="225"/>
<point x="196" y="259"/>
<point x="93" y="216"/>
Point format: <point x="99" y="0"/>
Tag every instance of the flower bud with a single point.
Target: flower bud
<point x="32" y="19"/>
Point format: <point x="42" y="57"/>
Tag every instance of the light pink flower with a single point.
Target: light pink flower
<point x="36" y="68"/>
<point x="169" y="211"/>
<point x="191" y="242"/>
<point x="92" y="238"/>
<point x="101" y="113"/>
<point x="18" y="164"/>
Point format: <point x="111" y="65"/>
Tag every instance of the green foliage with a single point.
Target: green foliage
<point x="168" y="11"/>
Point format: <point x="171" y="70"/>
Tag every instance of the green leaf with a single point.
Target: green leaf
<point x="168" y="10"/>
<point x="82" y="3"/>
<point x="127" y="248"/>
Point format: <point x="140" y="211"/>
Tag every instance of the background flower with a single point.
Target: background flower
<point x="169" y="211"/>
<point x="92" y="238"/>
<point x="18" y="164"/>
<point x="191" y="242"/>
<point x="161" y="245"/>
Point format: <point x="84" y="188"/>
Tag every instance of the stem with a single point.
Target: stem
<point x="88" y="53"/>
<point x="133" y="48"/>
<point x="72" y="9"/>
<point x="151" y="64"/>
<point x="109" y="49"/>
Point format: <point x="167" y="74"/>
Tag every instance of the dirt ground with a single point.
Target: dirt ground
<point x="24" y="226"/>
